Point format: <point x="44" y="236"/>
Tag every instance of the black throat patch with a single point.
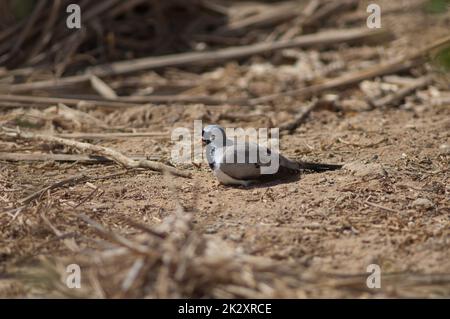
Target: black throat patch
<point x="210" y="149"/>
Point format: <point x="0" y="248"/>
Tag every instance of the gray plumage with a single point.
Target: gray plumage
<point x="222" y="155"/>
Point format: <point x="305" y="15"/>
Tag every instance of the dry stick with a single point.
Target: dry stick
<point x="87" y="198"/>
<point x="47" y="32"/>
<point x="113" y="136"/>
<point x="104" y="151"/>
<point x="311" y="7"/>
<point x="79" y="158"/>
<point x="397" y="65"/>
<point x="124" y="67"/>
<point x="130" y="66"/>
<point x="114" y="237"/>
<point x="120" y="102"/>
<point x="45" y="101"/>
<point x="380" y="207"/>
<point x="26" y="71"/>
<point x="155" y="99"/>
<point x="322" y="38"/>
<point x="314" y="14"/>
<point x="299" y="118"/>
<point x="39" y="193"/>
<point x="13" y="105"/>
<point x="133" y="100"/>
<point x="123" y="7"/>
<point x="56" y="83"/>
<point x="6" y="33"/>
<point x="28" y="29"/>
<point x="143" y="227"/>
<point x="398" y="96"/>
<point x="102" y="88"/>
<point x="329" y="9"/>
<point x="400" y="80"/>
<point x="71" y="180"/>
<point x="270" y="16"/>
<point x="70" y="46"/>
<point x="5" y="45"/>
<point x="99" y="9"/>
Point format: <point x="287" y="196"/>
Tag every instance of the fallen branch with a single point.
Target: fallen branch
<point x="113" y="136"/>
<point x="330" y="9"/>
<point x="71" y="180"/>
<point x="39" y="193"/>
<point x="321" y="38"/>
<point x="104" y="151"/>
<point x="102" y="88"/>
<point x="381" y="69"/>
<point x="8" y="101"/>
<point x="174" y="60"/>
<point x="268" y="17"/>
<point x="45" y="101"/>
<point x="79" y="158"/>
<point x="396" y="97"/>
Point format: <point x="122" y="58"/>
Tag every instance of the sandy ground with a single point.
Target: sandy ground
<point x="389" y="206"/>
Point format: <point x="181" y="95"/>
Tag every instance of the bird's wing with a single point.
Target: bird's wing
<point x="235" y="162"/>
<point x="247" y="165"/>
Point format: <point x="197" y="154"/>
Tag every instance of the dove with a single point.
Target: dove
<point x="235" y="163"/>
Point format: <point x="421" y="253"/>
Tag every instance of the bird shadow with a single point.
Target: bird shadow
<point x="266" y="184"/>
<point x="271" y="183"/>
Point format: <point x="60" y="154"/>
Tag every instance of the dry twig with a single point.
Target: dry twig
<point x="397" y="97"/>
<point x="130" y="66"/>
<point x="104" y="151"/>
<point x="79" y="158"/>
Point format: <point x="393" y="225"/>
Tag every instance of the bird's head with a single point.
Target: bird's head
<point x="213" y="134"/>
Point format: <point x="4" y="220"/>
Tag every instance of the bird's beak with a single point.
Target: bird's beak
<point x="203" y="140"/>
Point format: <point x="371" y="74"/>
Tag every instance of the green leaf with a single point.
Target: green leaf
<point x="442" y="58"/>
<point x="437" y="6"/>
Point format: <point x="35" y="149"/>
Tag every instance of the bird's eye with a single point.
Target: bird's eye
<point x="213" y="137"/>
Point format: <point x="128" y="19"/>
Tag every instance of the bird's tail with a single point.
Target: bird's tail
<point x="319" y="167"/>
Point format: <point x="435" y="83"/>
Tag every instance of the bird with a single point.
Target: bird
<point x="219" y="150"/>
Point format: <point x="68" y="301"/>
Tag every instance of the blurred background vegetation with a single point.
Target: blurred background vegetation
<point x="13" y="11"/>
<point x="22" y="8"/>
